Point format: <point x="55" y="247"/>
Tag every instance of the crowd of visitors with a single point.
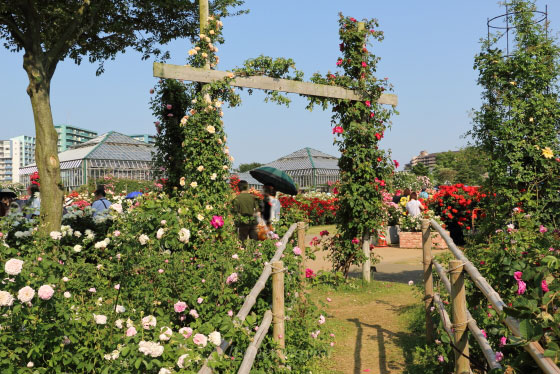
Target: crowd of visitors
<point x="410" y="200"/>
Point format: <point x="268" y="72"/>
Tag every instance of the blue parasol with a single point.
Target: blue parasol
<point x="133" y="194"/>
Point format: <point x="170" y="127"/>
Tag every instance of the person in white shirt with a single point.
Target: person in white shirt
<point x="413" y="207"/>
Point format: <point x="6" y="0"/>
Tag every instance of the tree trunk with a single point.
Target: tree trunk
<point x="46" y="149"/>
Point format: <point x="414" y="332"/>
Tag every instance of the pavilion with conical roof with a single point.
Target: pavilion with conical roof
<point x="309" y="168"/>
<point x="112" y="154"/>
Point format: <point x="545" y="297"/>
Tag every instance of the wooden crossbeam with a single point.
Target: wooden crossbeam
<point x="189" y="73"/>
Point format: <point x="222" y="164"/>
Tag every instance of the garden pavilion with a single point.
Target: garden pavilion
<point x="309" y="168"/>
<point x="112" y="154"/>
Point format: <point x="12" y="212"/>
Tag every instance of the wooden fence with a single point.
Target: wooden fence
<point x="274" y="267"/>
<point x="456" y="328"/>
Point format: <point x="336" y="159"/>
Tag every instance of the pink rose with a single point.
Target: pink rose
<point x="230" y="313"/>
<point x="297" y="251"/>
<point x="521" y="287"/>
<point x="517" y="275"/>
<point x="186" y="332"/>
<point x="484" y="333"/>
<point x="199" y="300"/>
<point x="544" y="286"/>
<point x="116" y="233"/>
<point x="503" y="341"/>
<point x="45" y="292"/>
<point x="131" y="331"/>
<point x="368" y="103"/>
<point x="542" y="229"/>
<point x="231" y="279"/>
<point x="309" y="273"/>
<point x="217" y="222"/>
<point x="200" y="339"/>
<point x="440" y="358"/>
<point x="355" y="241"/>
<point x="194" y="313"/>
<point x="499" y="356"/>
<point x="337" y="130"/>
<point x="169" y="106"/>
<point x="180" y="306"/>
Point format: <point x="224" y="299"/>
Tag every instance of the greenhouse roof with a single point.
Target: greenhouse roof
<point x="109" y="146"/>
<point x="305" y="158"/>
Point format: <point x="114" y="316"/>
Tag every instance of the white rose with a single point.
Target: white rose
<point x="56" y="235"/>
<point x="116" y="207"/>
<point x="213" y="176"/>
<point x="101" y="245"/>
<point x="182" y="181"/>
<point x="119" y="323"/>
<point x="215" y="338"/>
<point x="100" y="319"/>
<point x="67" y="294"/>
<point x="143" y="239"/>
<point x="149" y="322"/>
<point x="211" y="129"/>
<point x="160" y="233"/>
<point x="26" y="294"/>
<point x="200" y="217"/>
<point x="6" y="299"/>
<point x="77" y="234"/>
<point x="184" y="235"/>
<point x="152" y="349"/>
<point x="194" y="184"/>
<point x="120" y="309"/>
<point x="77" y="248"/>
<point x="200" y="168"/>
<point x="164" y="371"/>
<point x="13" y="266"/>
<point x="166" y="333"/>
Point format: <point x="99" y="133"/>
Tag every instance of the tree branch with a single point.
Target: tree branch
<point x="72" y="33"/>
<point x="17" y="34"/>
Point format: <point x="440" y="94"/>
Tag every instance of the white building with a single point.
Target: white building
<point x="5" y="161"/>
<point x="23" y="153"/>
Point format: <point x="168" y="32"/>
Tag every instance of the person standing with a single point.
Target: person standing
<point x="247" y="209"/>
<point x="33" y="204"/>
<point x="101" y="203"/>
<point x="413" y="207"/>
<point x="424" y="195"/>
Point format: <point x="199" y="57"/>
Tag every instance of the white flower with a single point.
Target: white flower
<point x="67" y="295"/>
<point x="77" y="248"/>
<point x="116" y="207"/>
<point x="120" y="309"/>
<point x="26" y="294"/>
<point x="100" y="319"/>
<point x="215" y="338"/>
<point x="207" y="98"/>
<point x="164" y="371"/>
<point x="183" y="361"/>
<point x="194" y="184"/>
<point x="184" y="120"/>
<point x="13" y="266"/>
<point x="211" y="129"/>
<point x="56" y="235"/>
<point x="209" y="207"/>
<point x="200" y="168"/>
<point x="143" y="239"/>
<point x="213" y="176"/>
<point x="152" y="349"/>
<point x="149" y="322"/>
<point x="200" y="340"/>
<point x="184" y="235"/>
<point x="30" y="364"/>
<point x="129" y="323"/>
<point x="200" y="217"/>
<point x="410" y="283"/>
<point x="160" y="233"/>
<point x="6" y="298"/>
<point x="77" y="234"/>
<point x="119" y="323"/>
<point x="166" y="333"/>
<point x="321" y="319"/>
<point x="101" y="245"/>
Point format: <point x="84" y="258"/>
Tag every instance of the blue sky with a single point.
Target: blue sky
<point x="427" y="55"/>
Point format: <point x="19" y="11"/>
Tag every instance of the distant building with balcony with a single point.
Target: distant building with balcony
<point x="146" y="138"/>
<point x="69" y="136"/>
<point x="5" y="161"/>
<point x="23" y="153"/>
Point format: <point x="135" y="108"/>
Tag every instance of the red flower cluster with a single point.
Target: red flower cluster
<point x="317" y="210"/>
<point x="233" y="183"/>
<point x="34" y="178"/>
<point x="457" y="203"/>
<point x="80" y="204"/>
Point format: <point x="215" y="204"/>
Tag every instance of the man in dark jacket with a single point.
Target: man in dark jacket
<point x="247" y="208"/>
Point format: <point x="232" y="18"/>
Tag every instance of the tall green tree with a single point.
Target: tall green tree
<point x="250" y="166"/>
<point x="518" y="123"/>
<point x="49" y="31"/>
<point x="467" y="165"/>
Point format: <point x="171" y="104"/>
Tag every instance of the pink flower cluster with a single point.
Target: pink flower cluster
<point x="217" y="222"/>
<point x="232" y="278"/>
<point x="309" y="273"/>
<point x="521" y="286"/>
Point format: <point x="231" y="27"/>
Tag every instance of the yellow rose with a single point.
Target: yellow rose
<point x="200" y="168"/>
<point x="211" y="129"/>
<point x="547" y="152"/>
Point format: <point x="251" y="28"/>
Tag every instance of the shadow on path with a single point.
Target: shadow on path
<point x="407" y="341"/>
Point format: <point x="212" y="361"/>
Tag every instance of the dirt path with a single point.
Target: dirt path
<point x="371" y="328"/>
<point x="397" y="264"/>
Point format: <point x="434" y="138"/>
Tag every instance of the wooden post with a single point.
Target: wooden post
<point x="459" y="313"/>
<point x="278" y="306"/>
<point x="301" y="245"/>
<point x="203" y="20"/>
<point x="428" y="278"/>
<point x="366" y="266"/>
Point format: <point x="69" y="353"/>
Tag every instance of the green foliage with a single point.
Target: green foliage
<point x="467" y="166"/>
<point x="404" y="179"/>
<point x="420" y="169"/>
<point x="527" y="251"/>
<point x="360" y="125"/>
<point x="518" y="123"/>
<point x="243" y="168"/>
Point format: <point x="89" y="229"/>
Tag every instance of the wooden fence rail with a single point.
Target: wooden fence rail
<point x="533" y="348"/>
<point x="251" y="298"/>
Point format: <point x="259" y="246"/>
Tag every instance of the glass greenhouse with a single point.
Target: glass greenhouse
<point x="112" y="154"/>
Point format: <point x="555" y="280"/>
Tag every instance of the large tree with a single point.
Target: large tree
<point x="48" y="31"/>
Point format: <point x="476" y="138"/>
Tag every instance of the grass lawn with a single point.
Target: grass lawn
<point x="315" y="230"/>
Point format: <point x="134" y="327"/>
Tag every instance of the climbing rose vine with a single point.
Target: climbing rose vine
<point x="358" y="127"/>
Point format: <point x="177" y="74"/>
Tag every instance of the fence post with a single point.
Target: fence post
<point x="278" y="306"/>
<point x="301" y="245"/>
<point x="459" y="313"/>
<point x="428" y="278"/>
